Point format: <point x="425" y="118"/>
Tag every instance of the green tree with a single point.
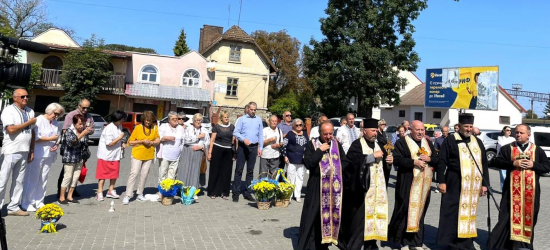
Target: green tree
<point x="85" y="72"/>
<point x="366" y="44"/>
<point x="287" y="102"/>
<point x="23" y="16"/>
<point x="181" y="45"/>
<point x="122" y="47"/>
<point x="547" y="109"/>
<point x="531" y="115"/>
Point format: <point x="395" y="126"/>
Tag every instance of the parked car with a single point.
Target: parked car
<point x="132" y="120"/>
<point x="336" y="122"/>
<point x="205" y="122"/>
<point x="99" y="124"/>
<point x="541" y="137"/>
<point x="490" y="139"/>
<point x="390" y="132"/>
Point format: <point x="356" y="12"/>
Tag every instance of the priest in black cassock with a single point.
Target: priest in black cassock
<point x="524" y="162"/>
<point x="413" y="155"/>
<point x="461" y="185"/>
<point x="324" y="157"/>
<point x="365" y="207"/>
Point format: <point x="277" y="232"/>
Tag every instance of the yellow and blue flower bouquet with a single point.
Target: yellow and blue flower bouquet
<point x="49" y="216"/>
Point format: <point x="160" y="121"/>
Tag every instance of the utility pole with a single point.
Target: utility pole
<point x="240" y="8"/>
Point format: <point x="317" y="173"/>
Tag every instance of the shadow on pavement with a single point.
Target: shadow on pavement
<point x="292" y="233"/>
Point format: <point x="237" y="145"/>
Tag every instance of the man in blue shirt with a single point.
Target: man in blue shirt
<point x="286" y="124"/>
<point x="249" y="132"/>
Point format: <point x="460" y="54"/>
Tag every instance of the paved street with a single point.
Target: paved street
<point x="208" y="224"/>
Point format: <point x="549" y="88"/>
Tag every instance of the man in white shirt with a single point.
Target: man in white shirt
<point x="273" y="141"/>
<point x="17" y="148"/>
<point x="171" y="138"/>
<point x="349" y="133"/>
<point x="314" y="132"/>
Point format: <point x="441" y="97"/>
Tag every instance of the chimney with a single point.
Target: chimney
<point x="208" y="34"/>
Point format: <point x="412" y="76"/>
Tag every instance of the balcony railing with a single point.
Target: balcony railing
<point x="51" y="79"/>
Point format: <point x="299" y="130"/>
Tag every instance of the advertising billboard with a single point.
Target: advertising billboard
<point x="462" y="88"/>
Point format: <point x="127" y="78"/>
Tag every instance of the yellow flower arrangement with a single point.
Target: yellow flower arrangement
<point x="284" y="190"/>
<point x="167" y="184"/>
<point x="49" y="214"/>
<point x="264" y="189"/>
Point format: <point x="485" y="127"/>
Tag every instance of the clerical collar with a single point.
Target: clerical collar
<point x="523" y="145"/>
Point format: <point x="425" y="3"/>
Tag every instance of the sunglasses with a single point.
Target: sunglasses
<point x="24" y="96"/>
<point x="288" y="115"/>
<point x="299" y="125"/>
<point x="181" y="119"/>
<point x="508" y="130"/>
<point x="383" y="124"/>
<point x="56" y="114"/>
<point x="85" y="108"/>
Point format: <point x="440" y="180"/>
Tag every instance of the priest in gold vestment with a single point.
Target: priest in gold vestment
<point x="461" y="185"/>
<point x="414" y="156"/>
<point x="524" y="162"/>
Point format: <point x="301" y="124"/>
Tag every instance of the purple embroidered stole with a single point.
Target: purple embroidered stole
<point x="331" y="193"/>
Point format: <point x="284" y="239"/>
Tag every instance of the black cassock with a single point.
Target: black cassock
<point x="500" y="236"/>
<point x="356" y="185"/>
<point x="397" y="230"/>
<point x="449" y="160"/>
<point x="310" y="222"/>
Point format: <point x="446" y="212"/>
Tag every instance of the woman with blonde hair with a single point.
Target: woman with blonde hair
<point x="144" y="138"/>
<point x="196" y="142"/>
<point x="36" y="176"/>
<point x="220" y="155"/>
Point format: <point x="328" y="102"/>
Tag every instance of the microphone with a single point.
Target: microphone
<point x="25" y="45"/>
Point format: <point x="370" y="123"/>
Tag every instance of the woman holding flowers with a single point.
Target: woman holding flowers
<point x="220" y="156"/>
<point x="196" y="142"/>
<point x="109" y="153"/>
<point x="293" y="151"/>
<point x="75" y="152"/>
<point x="143" y="139"/>
<point x="36" y="176"/>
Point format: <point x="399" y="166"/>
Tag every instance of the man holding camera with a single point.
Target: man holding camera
<point x="524" y="162"/>
<point x="17" y="148"/>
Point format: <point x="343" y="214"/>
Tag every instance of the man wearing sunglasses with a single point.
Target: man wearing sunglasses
<point x="286" y="124"/>
<point x="17" y="148"/>
<point x="83" y="109"/>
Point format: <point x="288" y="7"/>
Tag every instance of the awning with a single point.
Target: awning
<point x="156" y="91"/>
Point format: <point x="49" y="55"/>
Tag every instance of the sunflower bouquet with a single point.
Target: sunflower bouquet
<point x="170" y="187"/>
<point x="49" y="215"/>
<point x="264" y="189"/>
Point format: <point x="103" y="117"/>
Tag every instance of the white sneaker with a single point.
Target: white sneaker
<point x="195" y="197"/>
<point x="141" y="198"/>
<point x="31" y="208"/>
<point x="126" y="200"/>
<point x="40" y="205"/>
<point x="112" y="195"/>
<point x="99" y="197"/>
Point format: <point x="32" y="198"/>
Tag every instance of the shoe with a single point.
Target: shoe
<point x="249" y="197"/>
<point x="126" y="200"/>
<point x="76" y="194"/>
<point x="65" y="202"/>
<point x="31" y="208"/>
<point x="18" y="213"/>
<point x="73" y="201"/>
<point x="112" y="195"/>
<point x="235" y="198"/>
<point x="40" y="205"/>
<point x="195" y="197"/>
<point x="298" y="200"/>
<point x="225" y="197"/>
<point x="99" y="197"/>
<point x="141" y="198"/>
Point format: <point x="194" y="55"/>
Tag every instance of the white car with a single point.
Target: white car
<point x="336" y="122"/>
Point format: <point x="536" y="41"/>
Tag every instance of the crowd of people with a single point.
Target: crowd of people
<point x="346" y="198"/>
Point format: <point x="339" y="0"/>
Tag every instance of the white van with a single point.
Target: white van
<point x="541" y="137"/>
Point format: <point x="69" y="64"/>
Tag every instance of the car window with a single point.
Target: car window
<point x="129" y="117"/>
<point x="542" y="139"/>
<point x="98" y="118"/>
<point x="335" y="123"/>
<point x="391" y="129"/>
<point x="205" y="120"/>
<point x="493" y="135"/>
<point x="357" y="124"/>
<point x="62" y="118"/>
<point x="138" y="118"/>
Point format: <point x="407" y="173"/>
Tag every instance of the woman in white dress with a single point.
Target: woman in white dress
<point x="504" y="138"/>
<point x="36" y="175"/>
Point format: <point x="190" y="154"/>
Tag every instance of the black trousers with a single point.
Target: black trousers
<point x="219" y="178"/>
<point x="245" y="154"/>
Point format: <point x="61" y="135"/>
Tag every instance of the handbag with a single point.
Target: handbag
<point x="83" y="172"/>
<point x="203" y="164"/>
<point x="86" y="153"/>
<point x="62" y="145"/>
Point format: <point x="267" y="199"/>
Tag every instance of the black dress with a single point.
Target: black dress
<point x="221" y="163"/>
<point x="310" y="222"/>
<point x="397" y="230"/>
<point x="500" y="235"/>
<point x="448" y="172"/>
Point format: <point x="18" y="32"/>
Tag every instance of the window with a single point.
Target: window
<point x="235" y="53"/>
<point x="232" y="84"/>
<point x="418" y="116"/>
<point x="401" y="113"/>
<point x="52" y="62"/>
<point x="191" y="78"/>
<point x="504" y="120"/>
<point x="493" y="135"/>
<point x="542" y="139"/>
<point x="437" y="115"/>
<point x="129" y="118"/>
<point x="98" y="118"/>
<point x="149" y="74"/>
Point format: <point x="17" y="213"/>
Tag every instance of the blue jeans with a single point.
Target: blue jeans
<point x="246" y="154"/>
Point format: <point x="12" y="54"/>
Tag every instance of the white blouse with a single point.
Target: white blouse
<point x="44" y="128"/>
<point x="106" y="152"/>
<point x="503" y="140"/>
<point x="191" y="134"/>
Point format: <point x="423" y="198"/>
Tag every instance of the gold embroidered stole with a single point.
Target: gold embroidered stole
<point x="470" y="187"/>
<point x="420" y="188"/>
<point x="522" y="194"/>
<point x="376" y="200"/>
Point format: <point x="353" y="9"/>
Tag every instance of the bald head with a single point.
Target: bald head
<point x="325" y="131"/>
<point x="84" y="106"/>
<point x="476" y="131"/>
<point x="417" y="130"/>
<point x="20" y="98"/>
<point x="322" y="119"/>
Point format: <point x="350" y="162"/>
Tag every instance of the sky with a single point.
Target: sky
<point x="510" y="34"/>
